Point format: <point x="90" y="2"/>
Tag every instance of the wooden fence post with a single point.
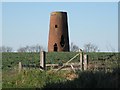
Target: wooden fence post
<point x="42" y="60"/>
<point x="19" y="67"/>
<point x="81" y="61"/>
<point x="85" y="61"/>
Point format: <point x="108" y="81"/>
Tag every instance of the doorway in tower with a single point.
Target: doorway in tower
<point x="55" y="47"/>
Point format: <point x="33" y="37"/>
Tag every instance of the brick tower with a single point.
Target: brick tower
<point x="58" y="32"/>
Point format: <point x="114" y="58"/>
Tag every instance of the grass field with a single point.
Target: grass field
<point x="67" y="79"/>
<point x="10" y="60"/>
<point x="34" y="78"/>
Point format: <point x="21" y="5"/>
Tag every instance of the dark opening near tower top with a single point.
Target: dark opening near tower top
<point x="58" y="39"/>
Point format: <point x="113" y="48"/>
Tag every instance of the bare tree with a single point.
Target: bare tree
<point x="3" y="49"/>
<point x="33" y="48"/>
<point x="21" y="49"/>
<point x="6" y="49"/>
<point x="74" y="47"/>
<point x="89" y="47"/>
<point x="110" y="47"/>
<point x="9" y="49"/>
<point x="38" y="48"/>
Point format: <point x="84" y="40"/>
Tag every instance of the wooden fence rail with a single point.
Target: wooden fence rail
<point x="83" y="64"/>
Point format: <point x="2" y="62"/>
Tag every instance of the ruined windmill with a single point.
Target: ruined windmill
<point x="58" y="32"/>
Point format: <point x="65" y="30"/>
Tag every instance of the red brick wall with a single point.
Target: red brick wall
<point x="58" y="27"/>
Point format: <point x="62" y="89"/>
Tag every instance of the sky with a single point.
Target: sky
<point x="27" y="23"/>
<point x="0" y="23"/>
<point x="119" y="27"/>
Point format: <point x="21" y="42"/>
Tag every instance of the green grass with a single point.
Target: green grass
<point x="30" y="79"/>
<point x="34" y="78"/>
<point x="10" y="60"/>
<point x="49" y="79"/>
<point x="63" y="57"/>
<point x="88" y="79"/>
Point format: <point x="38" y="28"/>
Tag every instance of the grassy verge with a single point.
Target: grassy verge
<point x="30" y="78"/>
<point x="63" y="79"/>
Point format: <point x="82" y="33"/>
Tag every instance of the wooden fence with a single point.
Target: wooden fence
<point x="83" y="64"/>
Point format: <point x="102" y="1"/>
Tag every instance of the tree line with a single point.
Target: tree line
<point x="88" y="47"/>
<point x="32" y="48"/>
